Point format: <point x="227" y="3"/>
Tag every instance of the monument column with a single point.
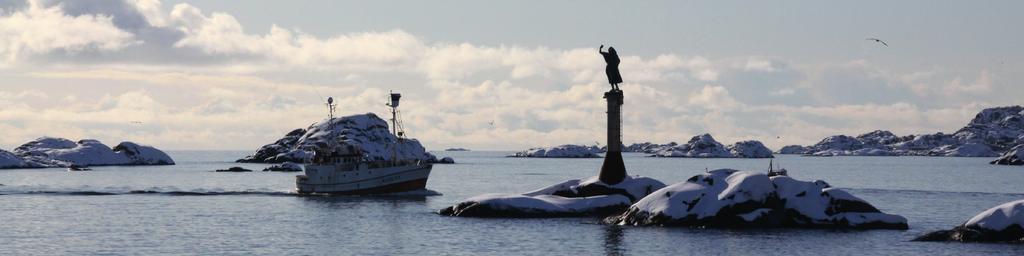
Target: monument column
<point x="613" y="170"/>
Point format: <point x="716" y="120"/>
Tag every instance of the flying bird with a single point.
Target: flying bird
<point x="877" y="40"/>
<point x="491" y="122"/>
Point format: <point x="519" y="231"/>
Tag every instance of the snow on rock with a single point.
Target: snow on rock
<point x="705" y="146"/>
<point x="269" y="153"/>
<point x="571" y="198"/>
<point x="793" y="150"/>
<point x="991" y="132"/>
<point x="1003" y="223"/>
<point x="60" y="152"/>
<point x="731" y="198"/>
<point x="141" y="154"/>
<point x="284" y="167"/>
<point x="367" y="132"/>
<point x="1013" y="157"/>
<point x="999" y="128"/>
<point x="750" y="149"/>
<point x="563" y="151"/>
<point x="647" y="147"/>
<point x="702" y="146"/>
<point x="9" y="160"/>
<point x="971" y="149"/>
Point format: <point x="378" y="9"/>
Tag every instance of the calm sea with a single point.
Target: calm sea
<point x="188" y="209"/>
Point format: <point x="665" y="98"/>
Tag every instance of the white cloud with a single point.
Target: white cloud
<point x="39" y="30"/>
<point x="981" y="85"/>
<point x="758" y="64"/>
<point x="713" y="97"/>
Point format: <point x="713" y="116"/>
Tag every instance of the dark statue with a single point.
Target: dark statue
<point x="612" y="69"/>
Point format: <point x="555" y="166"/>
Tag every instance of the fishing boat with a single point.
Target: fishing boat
<point x="344" y="169"/>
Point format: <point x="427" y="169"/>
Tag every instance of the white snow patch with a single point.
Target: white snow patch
<point x="999" y="217"/>
<point x="549" y="203"/>
<point x="562" y="151"/>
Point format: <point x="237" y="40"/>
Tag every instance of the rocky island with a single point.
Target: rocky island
<point x="562" y="151"/>
<point x="991" y="132"/>
<point x="47" y="152"/>
<point x="365" y="131"/>
<point x="743" y="199"/>
<point x="705" y="146"/>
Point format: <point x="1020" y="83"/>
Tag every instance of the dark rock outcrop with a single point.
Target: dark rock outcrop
<point x="284" y="167"/>
<point x="1013" y="157"/>
<point x="234" y="169"/>
<point x="793" y="150"/>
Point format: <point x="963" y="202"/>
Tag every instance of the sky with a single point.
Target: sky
<point x="231" y="75"/>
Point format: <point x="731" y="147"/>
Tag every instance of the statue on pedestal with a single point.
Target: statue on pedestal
<point x="612" y="69"/>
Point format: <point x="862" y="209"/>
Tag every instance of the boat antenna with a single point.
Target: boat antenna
<point x="330" y="107"/>
<point x="395" y="124"/>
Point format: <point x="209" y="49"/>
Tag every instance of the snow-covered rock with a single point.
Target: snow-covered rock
<point x="59" y="152"/>
<point x="9" y="160"/>
<point x="1003" y="223"/>
<point x="366" y="132"/>
<point x="999" y="128"/>
<point x="1013" y="157"/>
<point x="647" y="147"/>
<point x="839" y="143"/>
<point x="877" y="139"/>
<point x="971" y="149"/>
<point x="992" y="131"/>
<point x="750" y="149"/>
<point x="141" y="154"/>
<point x="731" y="198"/>
<point x="858" y="152"/>
<point x="705" y="146"/>
<point x="571" y="198"/>
<point x="563" y="151"/>
<point x="269" y="153"/>
<point x="793" y="150"/>
<point x="702" y="146"/>
<point x="284" y="167"/>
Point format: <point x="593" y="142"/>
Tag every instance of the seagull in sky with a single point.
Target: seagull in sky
<point x="491" y="122"/>
<point x="877" y="40"/>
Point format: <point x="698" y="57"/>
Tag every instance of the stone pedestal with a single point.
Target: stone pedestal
<point x="613" y="170"/>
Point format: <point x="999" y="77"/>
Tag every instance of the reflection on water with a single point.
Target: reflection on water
<point x="613" y="240"/>
<point x="333" y="201"/>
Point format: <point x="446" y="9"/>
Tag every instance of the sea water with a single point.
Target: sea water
<point x="189" y="209"/>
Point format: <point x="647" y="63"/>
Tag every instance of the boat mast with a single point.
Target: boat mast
<point x="394" y="123"/>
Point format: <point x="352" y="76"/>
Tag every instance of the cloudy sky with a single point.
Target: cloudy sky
<point x="238" y="74"/>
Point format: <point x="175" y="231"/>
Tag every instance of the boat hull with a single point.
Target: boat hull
<point x="327" y="179"/>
